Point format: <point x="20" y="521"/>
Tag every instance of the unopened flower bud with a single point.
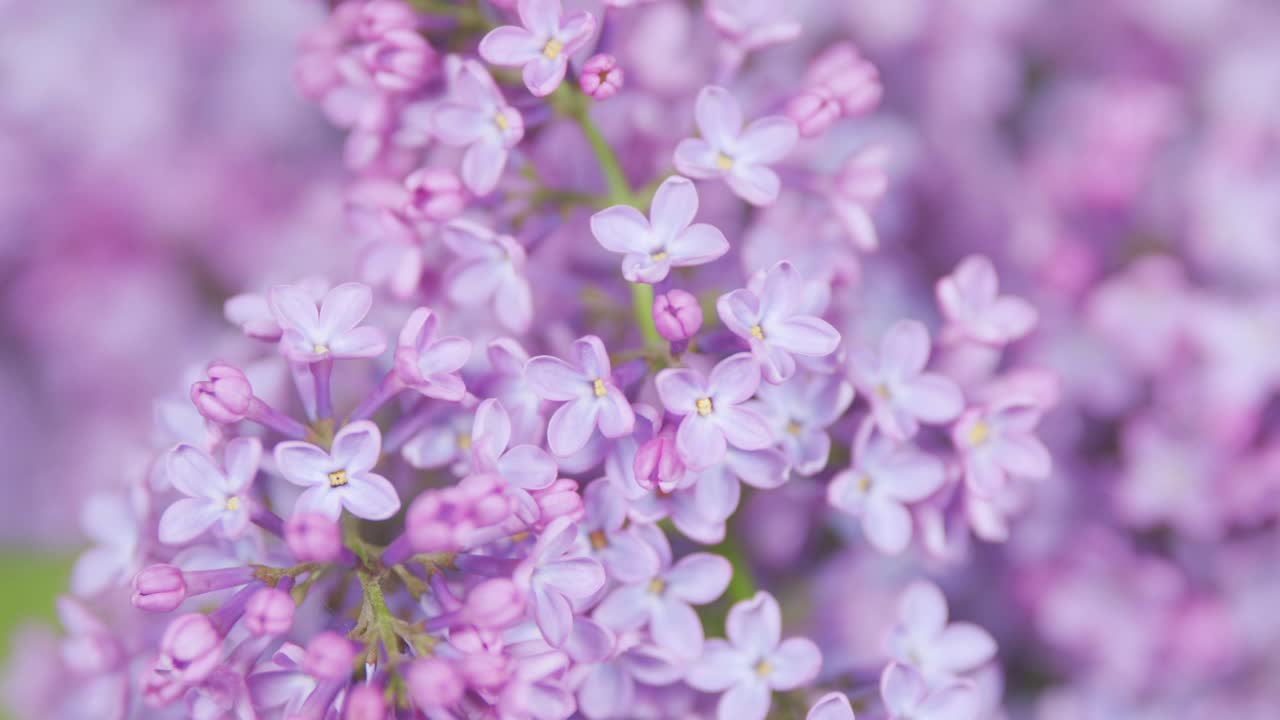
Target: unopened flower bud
<point x="433" y="683"/>
<point x="269" y="612"/>
<point x="814" y="110"/>
<point x="677" y="315"/>
<point x="191" y="647"/>
<point x="379" y="17"/>
<point x="494" y="604"/>
<point x="560" y="499"/>
<point x="329" y="656"/>
<point x="159" y="588"/>
<point x="313" y="537"/>
<point x="225" y="397"/>
<point x="601" y="78"/>
<point x="365" y="702"/>
<point x="400" y="61"/>
<point x="658" y="465"/>
<point x="435" y="194"/>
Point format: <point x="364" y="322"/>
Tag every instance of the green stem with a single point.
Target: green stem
<point x="382" y="620"/>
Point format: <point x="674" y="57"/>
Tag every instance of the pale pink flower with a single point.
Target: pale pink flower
<point x="740" y="156"/>
<point x="543" y="45"/>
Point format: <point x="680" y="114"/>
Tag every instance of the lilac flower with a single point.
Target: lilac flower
<point x="884" y="478"/>
<point x="832" y="706"/>
<point x="113" y="523"/>
<point x="901" y="394"/>
<point x="752" y="24"/>
<point x="800" y="411"/>
<point x="490" y="269"/>
<point x="713" y="410"/>
<point x="971" y="301"/>
<point x="718" y="488"/>
<point x="617" y="546"/>
<point x="444" y="440"/>
<point x="523" y="467"/>
<point x="428" y="364"/>
<point x="676" y="315"/>
<point x="543" y="46"/>
<point x="474" y="115"/>
<point x="608" y="689"/>
<point x="663" y="601"/>
<point x="998" y="442"/>
<point x="601" y="78"/>
<point x="665" y="240"/>
<point x="507" y="360"/>
<point x="340" y="478"/>
<point x="856" y="189"/>
<point x="252" y="313"/>
<point x="907" y="697"/>
<point x="923" y="640"/>
<point x="738" y="155"/>
<point x="331" y="330"/>
<point x="754" y="662"/>
<point x="557" y="581"/>
<point x="773" y="321"/>
<point x="588" y="392"/>
<point x="212" y="494"/>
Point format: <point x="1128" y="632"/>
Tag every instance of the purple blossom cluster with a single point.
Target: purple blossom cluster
<point x="740" y="359"/>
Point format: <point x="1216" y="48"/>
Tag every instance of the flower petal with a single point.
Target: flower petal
<point x="622" y="229"/>
<point x="931" y="397"/>
<point x="482" y="164"/>
<point x="554" y="379"/>
<point x="700" y="441"/>
<point x="243" y="456"/>
<point x="357" y="446"/>
<point x="673" y="208"/>
<point x="302" y="463"/>
<point x="795" y="663"/>
<point x="543" y="75"/>
<point x="744" y="428"/>
<point x="748" y="700"/>
<point x="626" y="608"/>
<point x="887" y="524"/>
<point x="962" y="647"/>
<point x="832" y="706"/>
<point x="187" y="519"/>
<point x="767" y="140"/>
<point x="510" y="46"/>
<point x="528" y="467"/>
<point x="699" y="578"/>
<point x="718" y="115"/>
<point x="720" y="667"/>
<point x="697" y="244"/>
<point x="571" y="426"/>
<point x="754" y="626"/>
<point x="733" y="380"/>
<point x="902" y="689"/>
<point x="193" y="473"/>
<point x="696" y="158"/>
<point x="757" y="184"/>
<point x="804" y="335"/>
<point x="676" y="627"/>
<point x="344" y="307"/>
<point x="680" y="389"/>
<point x="904" y="349"/>
<point x="370" y="496"/>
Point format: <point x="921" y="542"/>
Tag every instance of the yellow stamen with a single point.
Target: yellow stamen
<point x="598" y="540"/>
<point x="501" y="121"/>
<point x="794" y="428"/>
<point x="979" y="433"/>
<point x="704" y="406"/>
<point x="597" y="387"/>
<point x="552" y="49"/>
<point x="724" y="162"/>
<point x="464" y="441"/>
<point x="337" y="478"/>
<point x="757" y="332"/>
<point x="659" y="256"/>
<point x="763" y="668"/>
<point x="883" y="391"/>
<point x="657" y="585"/>
<point x="320" y="349"/>
<point x="863" y="483"/>
<point x="233" y="503"/>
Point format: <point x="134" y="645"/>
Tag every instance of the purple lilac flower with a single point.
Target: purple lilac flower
<point x="925" y="641"/>
<point x="430" y="364"/>
<point x="665" y="240"/>
<point x="800" y="411"/>
<point x="617" y="545"/>
<point x="714" y="410"/>
<point x="971" y="300"/>
<point x="557" y="580"/>
<point x="489" y="269"/>
<point x="543" y="45"/>
<point x="213" y="494"/>
<point x="901" y="394"/>
<point x="907" y="697"/>
<point x="312" y="333"/>
<point x="477" y="117"/>
<point x="601" y="78"/>
<point x="998" y="442"/>
<point x="728" y="150"/>
<point x="588" y="393"/>
<point x="341" y="477"/>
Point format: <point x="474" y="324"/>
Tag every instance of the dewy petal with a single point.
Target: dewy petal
<point x="700" y="442"/>
<point x="543" y="75"/>
<point x="887" y="524"/>
<point x="720" y="667"/>
<point x="699" y="578"/>
<point x="528" y="467"/>
<point x="551" y="378"/>
<point x="187" y="519"/>
<point x="962" y="647"/>
<point x="767" y="140"/>
<point x="755" y="626"/>
<point x="680" y="389"/>
<point x="832" y="706"/>
<point x="356" y="447"/>
<point x="622" y="229"/>
<point x="696" y="158"/>
<point x="483" y="163"/>
<point x="744" y="428"/>
<point x="902" y="689"/>
<point x="571" y="426"/>
<point x="193" y="473"/>
<point x="932" y="398"/>
<point x="674" y="206"/>
<point x="795" y="663"/>
<point x="370" y="496"/>
<point x="510" y="46"/>
<point x="676" y="627"/>
<point x="904" y="349"/>
<point x="697" y="244"/>
<point x="542" y="17"/>
<point x="243" y="455"/>
<point x="748" y="700"/>
<point x="718" y="115"/>
<point x="756" y="184"/>
<point x="344" y="307"/>
<point x="804" y="335"/>
<point x="302" y="463"/>
<point x="733" y="380"/>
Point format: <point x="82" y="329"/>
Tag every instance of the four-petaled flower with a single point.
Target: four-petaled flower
<point x="771" y="317"/>
<point x="754" y="661"/>
<point x="800" y="410"/>
<point x="901" y="394"/>
<point x="490" y="268"/>
<point x="342" y="477"/>
<point x="999" y="442"/>
<point x="923" y="639"/>
<point x="331" y="330"/>
<point x="665" y="240"/>
<point x="212" y="494"/>
<point x="474" y="115"/>
<point x="430" y="364"/>
<point x="714" y="415"/>
<point x="970" y="297"/>
<point x="524" y="467"/>
<point x="543" y="46"/>
<point x="614" y="543"/>
<point x="738" y="155"/>
<point x="907" y="697"/>
<point x="557" y="580"/>
<point x="588" y="392"/>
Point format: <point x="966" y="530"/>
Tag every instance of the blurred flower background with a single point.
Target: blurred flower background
<point x="1118" y="160"/>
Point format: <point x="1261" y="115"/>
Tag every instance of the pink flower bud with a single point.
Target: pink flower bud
<point x="191" y="648"/>
<point x="379" y="17"/>
<point x="365" y="702"/>
<point x="814" y="111"/>
<point x="444" y="520"/>
<point x="159" y="588"/>
<point x="601" y="78"/>
<point x="560" y="499"/>
<point x="400" y="61"/>
<point x="677" y="315"/>
<point x="329" y="656"/>
<point x="313" y="537"/>
<point x="433" y="683"/>
<point x="435" y="194"/>
<point x="225" y="397"/>
<point x="658" y="465"/>
<point x="269" y="612"/>
<point x="494" y="604"/>
<point x="849" y="79"/>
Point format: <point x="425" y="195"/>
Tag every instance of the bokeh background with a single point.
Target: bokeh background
<point x="1120" y="159"/>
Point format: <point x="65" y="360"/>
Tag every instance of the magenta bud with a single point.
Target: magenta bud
<point x="433" y="683"/>
<point x="494" y="604"/>
<point x="329" y="656"/>
<point x="400" y="60"/>
<point x="313" y="537"/>
<point x="435" y="194"/>
<point x="677" y="315"/>
<point x="601" y="78"/>
<point x="225" y="397"/>
<point x="814" y="111"/>
<point x="560" y="499"/>
<point x="365" y="702"/>
<point x="657" y="463"/>
<point x="379" y="17"/>
<point x="159" y="588"/>
<point x="269" y="612"/>
<point x="192" y="647"/>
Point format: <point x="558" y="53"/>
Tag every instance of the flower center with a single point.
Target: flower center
<point x="657" y="585"/>
<point x="794" y="428"/>
<point x="659" y="256"/>
<point x="337" y="478"/>
<point x="320" y="349"/>
<point x="598" y="540"/>
<point x="863" y="483"/>
<point x="233" y="503"/>
<point x="597" y="387"/>
<point x="464" y="441"/>
<point x="979" y="433"/>
<point x="501" y="121"/>
<point x="704" y="406"/>
<point x="763" y="668"/>
<point x="882" y="391"/>
<point x="552" y="49"/>
<point x="757" y="332"/>
<point x="724" y="162"/>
